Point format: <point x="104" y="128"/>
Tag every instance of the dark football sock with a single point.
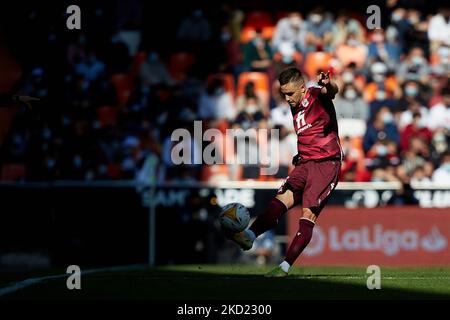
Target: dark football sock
<point x="300" y="241"/>
<point x="269" y="219"/>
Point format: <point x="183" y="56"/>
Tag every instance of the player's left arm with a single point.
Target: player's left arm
<point x="329" y="88"/>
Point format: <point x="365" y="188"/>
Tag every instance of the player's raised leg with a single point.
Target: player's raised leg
<point x="268" y="220"/>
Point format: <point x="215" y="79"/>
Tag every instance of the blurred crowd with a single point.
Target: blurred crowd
<point x="121" y="98"/>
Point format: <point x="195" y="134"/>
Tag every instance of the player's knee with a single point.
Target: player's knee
<point x="287" y="198"/>
<point x="308" y="214"/>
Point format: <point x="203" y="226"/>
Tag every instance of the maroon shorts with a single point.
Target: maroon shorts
<point x="312" y="182"/>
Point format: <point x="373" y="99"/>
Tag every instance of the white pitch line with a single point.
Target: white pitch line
<point x="31" y="281"/>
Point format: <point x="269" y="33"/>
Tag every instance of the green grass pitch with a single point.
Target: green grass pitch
<point x="241" y="282"/>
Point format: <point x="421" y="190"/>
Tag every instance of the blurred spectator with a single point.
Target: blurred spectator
<point x="441" y="140"/>
<point x="350" y="104"/>
<point x="399" y="29"/>
<point x="352" y="51"/>
<point x="415" y="129"/>
<point x="281" y="115"/>
<point x="381" y="50"/>
<point x="439" y="29"/>
<point x="290" y="29"/>
<point x="90" y="68"/>
<point x="195" y="28"/>
<point x="382" y="87"/>
<point x="412" y="96"/>
<point x="440" y="113"/>
<point x="414" y="67"/>
<point x="419" y="177"/>
<point x="154" y="72"/>
<point x="382" y="128"/>
<point x="287" y="56"/>
<point x="343" y="27"/>
<point x="319" y="34"/>
<point x="215" y="103"/>
<point x="249" y="102"/>
<point x="406" y="117"/>
<point x="442" y="173"/>
<point x="257" y="53"/>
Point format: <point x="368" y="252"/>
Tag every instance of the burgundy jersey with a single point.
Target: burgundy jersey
<point x="316" y="127"/>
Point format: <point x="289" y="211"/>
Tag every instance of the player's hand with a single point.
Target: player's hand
<point x="323" y="78"/>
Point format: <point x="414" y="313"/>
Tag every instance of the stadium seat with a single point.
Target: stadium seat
<point x="114" y="171"/>
<point x="138" y="60"/>
<point x="179" y="65"/>
<point x="258" y="19"/>
<point x="107" y="115"/>
<point x="316" y="61"/>
<point x="280" y="15"/>
<point x="248" y="33"/>
<point x="11" y="71"/>
<point x="13" y="172"/>
<point x="228" y="81"/>
<point x="123" y="83"/>
<point x="260" y="79"/>
<point x="267" y="32"/>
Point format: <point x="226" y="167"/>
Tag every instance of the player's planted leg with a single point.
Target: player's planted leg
<point x="300" y="241"/>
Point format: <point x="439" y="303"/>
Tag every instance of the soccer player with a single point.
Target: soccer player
<point x="317" y="164"/>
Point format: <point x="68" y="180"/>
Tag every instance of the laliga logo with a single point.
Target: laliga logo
<point x="390" y="242"/>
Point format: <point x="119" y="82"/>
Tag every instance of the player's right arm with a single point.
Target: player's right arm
<point x="329" y="88"/>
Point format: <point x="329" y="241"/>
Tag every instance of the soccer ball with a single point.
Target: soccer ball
<point x="234" y="217"/>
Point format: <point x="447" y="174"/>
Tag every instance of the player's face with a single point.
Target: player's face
<point x="293" y="92"/>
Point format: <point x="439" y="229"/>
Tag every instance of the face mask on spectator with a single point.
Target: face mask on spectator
<point x="316" y="18"/>
<point x="446" y="166"/>
<point x="378" y="37"/>
<point x="417" y="60"/>
<point x="380" y="95"/>
<point x="295" y="22"/>
<point x="219" y="91"/>
<point x="348" y="77"/>
<point x="225" y="36"/>
<point x="352" y="42"/>
<point x="251" y="108"/>
<point x="420" y="123"/>
<point x="388" y="118"/>
<point x="396" y="17"/>
<point x="382" y="150"/>
<point x="257" y="41"/>
<point x="378" y="77"/>
<point x="350" y="94"/>
<point x="411" y="91"/>
<point x="413" y="19"/>
<point x="439" y="137"/>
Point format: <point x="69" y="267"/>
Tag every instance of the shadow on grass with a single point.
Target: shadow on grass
<point x="204" y="284"/>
